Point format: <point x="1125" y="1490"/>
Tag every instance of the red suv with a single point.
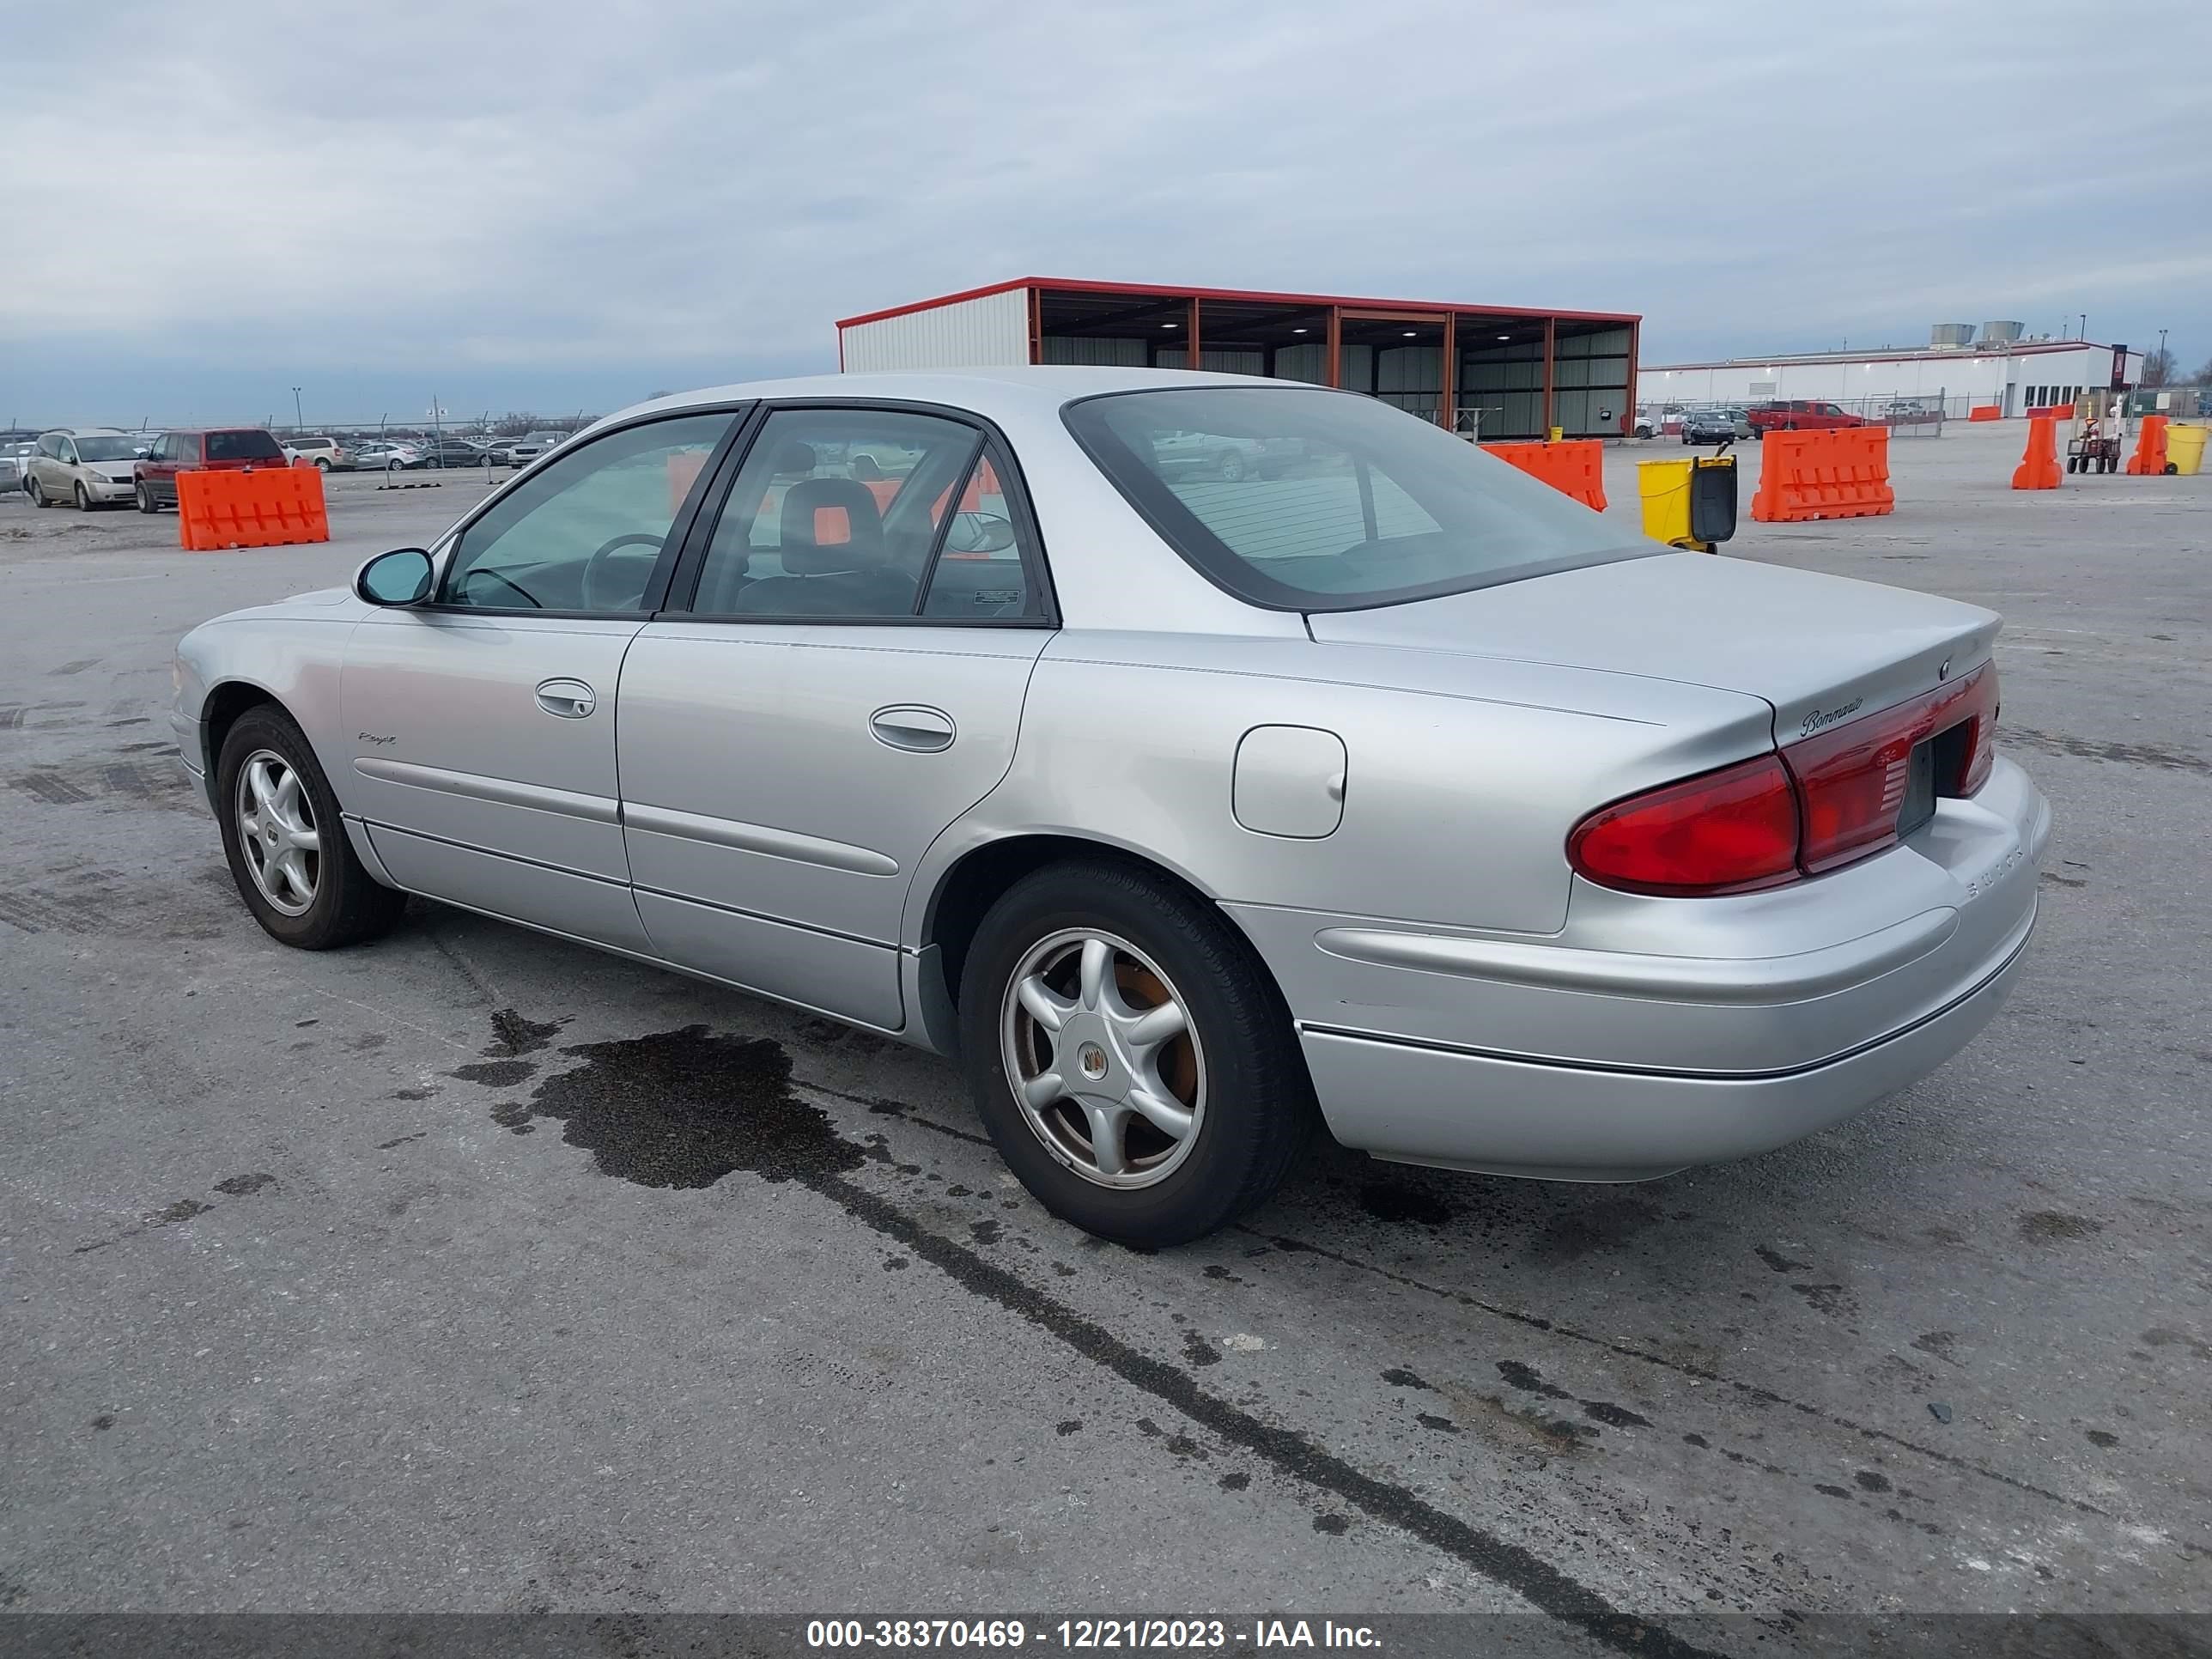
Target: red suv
<point x="1801" y="414"/>
<point x="216" y="449"/>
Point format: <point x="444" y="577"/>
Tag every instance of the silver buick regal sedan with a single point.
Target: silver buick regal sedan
<point x="1380" y="787"/>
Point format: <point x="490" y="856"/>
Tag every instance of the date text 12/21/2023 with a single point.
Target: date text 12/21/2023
<point x="1087" y="1635"/>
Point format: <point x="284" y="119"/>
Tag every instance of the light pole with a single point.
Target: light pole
<point x="2162" y="365"/>
<point x="298" y="419"/>
<point x="2084" y="334"/>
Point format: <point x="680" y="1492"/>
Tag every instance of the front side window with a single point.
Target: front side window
<point x="586" y="532"/>
<point x="1309" y="500"/>
<point x="839" y="514"/>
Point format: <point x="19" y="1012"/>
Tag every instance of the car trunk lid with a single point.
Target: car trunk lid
<point x="1822" y="650"/>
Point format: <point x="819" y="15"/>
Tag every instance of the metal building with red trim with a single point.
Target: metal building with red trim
<point x="1506" y="371"/>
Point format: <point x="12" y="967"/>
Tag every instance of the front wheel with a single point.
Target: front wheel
<point x="146" y="501"/>
<point x="287" y="848"/>
<point x="1232" y="468"/>
<point x="1129" y="1054"/>
<point x="83" y="499"/>
<point x="37" y="494"/>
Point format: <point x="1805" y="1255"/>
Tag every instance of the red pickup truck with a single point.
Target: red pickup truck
<point x="1801" y="414"/>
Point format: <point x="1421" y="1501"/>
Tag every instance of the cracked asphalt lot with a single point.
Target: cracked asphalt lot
<point x="470" y="1271"/>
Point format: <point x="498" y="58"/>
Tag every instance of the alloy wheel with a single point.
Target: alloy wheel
<point x="1102" y="1059"/>
<point x="277" y="836"/>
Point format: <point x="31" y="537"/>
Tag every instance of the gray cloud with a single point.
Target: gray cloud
<point x="508" y="194"/>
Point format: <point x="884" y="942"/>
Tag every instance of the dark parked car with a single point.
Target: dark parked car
<point x="450" y="450"/>
<point x="1715" y="426"/>
<point x="217" y="449"/>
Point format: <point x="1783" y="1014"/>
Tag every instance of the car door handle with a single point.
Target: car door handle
<point x="572" y="700"/>
<point x="911" y="726"/>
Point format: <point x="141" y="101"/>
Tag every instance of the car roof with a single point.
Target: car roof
<point x="993" y="392"/>
<point x="87" y="432"/>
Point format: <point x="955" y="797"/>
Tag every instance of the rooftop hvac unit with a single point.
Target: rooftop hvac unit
<point x="1954" y="336"/>
<point x="2001" y="333"/>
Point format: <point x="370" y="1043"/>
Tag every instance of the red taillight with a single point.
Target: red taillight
<point x="1821" y="803"/>
<point x="1981" y="733"/>
<point x="1852" y="779"/>
<point x="1727" y="832"/>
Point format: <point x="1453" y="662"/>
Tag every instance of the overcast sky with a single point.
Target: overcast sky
<point x="556" y="204"/>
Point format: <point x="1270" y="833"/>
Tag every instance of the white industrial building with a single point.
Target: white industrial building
<point x="1961" y="368"/>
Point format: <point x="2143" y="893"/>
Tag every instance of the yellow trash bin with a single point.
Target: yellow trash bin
<point x="1665" y="488"/>
<point x="2184" y="448"/>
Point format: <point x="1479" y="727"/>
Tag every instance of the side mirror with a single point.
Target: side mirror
<point x="400" y="577"/>
<point x="979" y="532"/>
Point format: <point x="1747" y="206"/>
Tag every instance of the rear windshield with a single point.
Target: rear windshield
<point x="242" y="447"/>
<point x="1309" y="500"/>
<point x="105" y="449"/>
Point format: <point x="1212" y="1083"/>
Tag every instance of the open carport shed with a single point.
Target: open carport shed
<point x="1505" y="371"/>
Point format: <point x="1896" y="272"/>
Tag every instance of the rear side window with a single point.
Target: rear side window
<point x="1323" y="501"/>
<point x="836" y="514"/>
<point x="243" y="447"/>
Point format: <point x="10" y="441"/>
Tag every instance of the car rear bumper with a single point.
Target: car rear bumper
<point x="1423" y="1104"/>
<point x="1651" y="1034"/>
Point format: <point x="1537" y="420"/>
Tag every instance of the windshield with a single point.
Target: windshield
<point x="105" y="449"/>
<point x="1309" y="500"/>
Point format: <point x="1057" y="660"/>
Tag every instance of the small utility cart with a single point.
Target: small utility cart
<point x="2093" y="452"/>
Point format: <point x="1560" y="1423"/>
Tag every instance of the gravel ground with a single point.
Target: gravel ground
<point x="471" y="1270"/>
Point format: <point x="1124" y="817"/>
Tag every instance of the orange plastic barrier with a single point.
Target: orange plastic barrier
<point x="1575" y="466"/>
<point x="262" y="506"/>
<point x="2056" y="412"/>
<point x="683" y="465"/>
<point x="2149" y="459"/>
<point x="1984" y="412"/>
<point x="1838" y="474"/>
<point x="2038" y="468"/>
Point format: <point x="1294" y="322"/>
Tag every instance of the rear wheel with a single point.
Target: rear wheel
<point x="287" y="850"/>
<point x="1129" y="1054"/>
<point x="323" y="466"/>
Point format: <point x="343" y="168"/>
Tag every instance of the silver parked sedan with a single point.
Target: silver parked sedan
<point x="1384" y="788"/>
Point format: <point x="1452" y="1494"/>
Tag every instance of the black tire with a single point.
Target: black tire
<point x="323" y="466"/>
<point x="2172" y="469"/>
<point x="38" y="496"/>
<point x="1258" y="1106"/>
<point x="348" y="905"/>
<point x="147" y="504"/>
<point x="1232" y="468"/>
<point x="83" y="499"/>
